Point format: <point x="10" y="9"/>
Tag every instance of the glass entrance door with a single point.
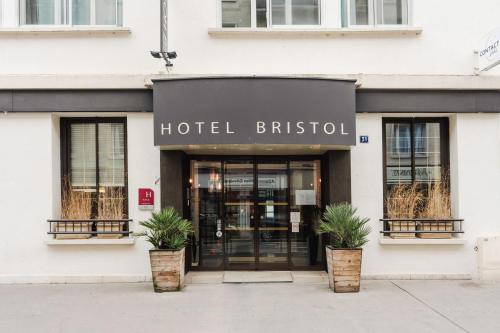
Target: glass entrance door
<point x="255" y="213"/>
<point x="239" y="214"/>
<point x="272" y="213"/>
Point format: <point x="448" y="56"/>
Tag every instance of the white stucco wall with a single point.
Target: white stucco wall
<point x="475" y="176"/>
<point x="30" y="195"/>
<point x="30" y="180"/>
<point x="451" y="30"/>
<point x="29" y="143"/>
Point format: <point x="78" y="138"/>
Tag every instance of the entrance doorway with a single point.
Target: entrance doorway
<point x="255" y="213"/>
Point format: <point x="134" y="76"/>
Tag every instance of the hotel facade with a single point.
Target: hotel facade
<point x="272" y="110"/>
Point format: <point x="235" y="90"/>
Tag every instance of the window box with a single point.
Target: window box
<point x="72" y="229"/>
<point x="110" y="230"/>
<point x="422" y="228"/>
<point x="85" y="229"/>
<point x="407" y="229"/>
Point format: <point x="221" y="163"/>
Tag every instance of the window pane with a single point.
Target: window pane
<point x="236" y="13"/>
<point x="105" y="12"/>
<point x="305" y="12"/>
<point x="427" y="152"/>
<point x="82" y="160"/>
<point x="398" y="152"/>
<point x="40" y="11"/>
<point x="206" y="206"/>
<point x="305" y="202"/>
<point x="359" y="12"/>
<point x="279" y="12"/>
<point x="81" y="12"/>
<point x="261" y="13"/>
<point x="392" y="11"/>
<point x="295" y="12"/>
<point x="111" y="154"/>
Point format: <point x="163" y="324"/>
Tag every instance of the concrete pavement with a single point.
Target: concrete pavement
<point x="381" y="306"/>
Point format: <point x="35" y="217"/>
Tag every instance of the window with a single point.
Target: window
<point x="265" y="13"/>
<point x="94" y="161"/>
<point x="416" y="150"/>
<point x="375" y="12"/>
<point x="71" y="12"/>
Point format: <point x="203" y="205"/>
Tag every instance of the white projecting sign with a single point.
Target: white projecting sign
<point x="488" y="52"/>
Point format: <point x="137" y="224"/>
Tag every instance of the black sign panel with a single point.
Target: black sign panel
<point x="254" y="111"/>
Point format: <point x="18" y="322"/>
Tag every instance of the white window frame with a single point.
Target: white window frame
<point x="68" y="14"/>
<point x="253" y="16"/>
<point x="373" y="13"/>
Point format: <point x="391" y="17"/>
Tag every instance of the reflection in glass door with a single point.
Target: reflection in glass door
<point x="305" y="203"/>
<point x="206" y="207"/>
<point x="239" y="217"/>
<point x="272" y="205"/>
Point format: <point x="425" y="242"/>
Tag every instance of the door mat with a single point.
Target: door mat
<point x="258" y="277"/>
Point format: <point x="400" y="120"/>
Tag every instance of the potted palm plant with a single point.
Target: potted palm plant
<point x="347" y="234"/>
<point x="168" y="232"/>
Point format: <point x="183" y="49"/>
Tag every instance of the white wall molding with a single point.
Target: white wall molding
<point x="315" y="32"/>
<point x="142" y="81"/>
<point x="49" y="31"/>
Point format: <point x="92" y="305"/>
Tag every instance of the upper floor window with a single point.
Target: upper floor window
<point x="375" y="12"/>
<point x="267" y="13"/>
<point x="71" y="12"/>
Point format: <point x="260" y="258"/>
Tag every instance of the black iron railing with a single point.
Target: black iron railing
<point x="89" y="227"/>
<point x="430" y="228"/>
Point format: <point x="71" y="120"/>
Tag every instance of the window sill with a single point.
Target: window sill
<point x="315" y="32"/>
<point x="91" y="241"/>
<point x="34" y="30"/>
<point x="421" y="241"/>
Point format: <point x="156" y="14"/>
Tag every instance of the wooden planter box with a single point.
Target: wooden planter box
<point x="167" y="268"/>
<point x="344" y="269"/>
<point x="402" y="226"/>
<point x="435" y="226"/>
<point x="107" y="227"/>
<point x="73" y="227"/>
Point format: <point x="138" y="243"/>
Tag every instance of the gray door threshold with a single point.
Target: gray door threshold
<point x="258" y="277"/>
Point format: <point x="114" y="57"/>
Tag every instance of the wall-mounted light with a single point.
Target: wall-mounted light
<point x="167" y="56"/>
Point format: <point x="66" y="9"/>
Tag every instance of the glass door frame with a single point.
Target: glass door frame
<point x="260" y="159"/>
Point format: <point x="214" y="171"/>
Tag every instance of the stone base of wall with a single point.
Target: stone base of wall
<point x="210" y="277"/>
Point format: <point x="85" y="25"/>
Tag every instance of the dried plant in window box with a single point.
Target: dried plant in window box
<point x="75" y="205"/>
<point x="110" y="207"/>
<point x="402" y="202"/>
<point x="438" y="207"/>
